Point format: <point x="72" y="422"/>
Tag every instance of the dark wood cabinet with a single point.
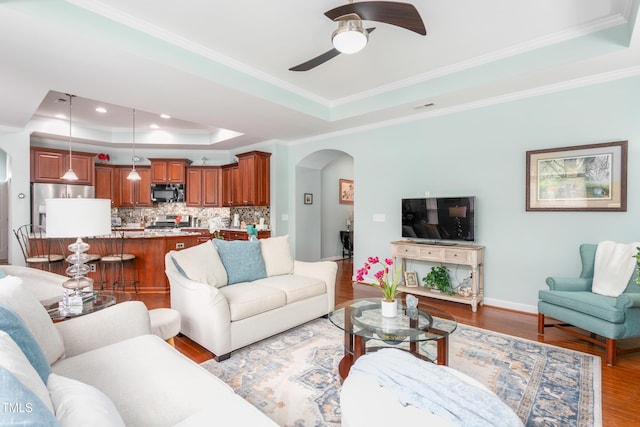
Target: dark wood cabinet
<point x="48" y="165"/>
<point x="168" y="171"/>
<point x="105" y="184"/>
<point x="135" y="193"/>
<point x="204" y="186"/>
<point x="242" y="235"/>
<point x="254" y="168"/>
<point x="229" y="172"/>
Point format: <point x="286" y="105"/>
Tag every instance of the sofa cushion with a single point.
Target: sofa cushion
<point x="295" y="287"/>
<point x="150" y="383"/>
<point x="79" y="404"/>
<point x="589" y="303"/>
<point x="13" y="325"/>
<point x="242" y="260"/>
<point x="9" y="279"/>
<point x="16" y="364"/>
<point x="276" y="253"/>
<point x="21" y="407"/>
<point x="202" y="264"/>
<point x="35" y="317"/>
<point x="248" y="299"/>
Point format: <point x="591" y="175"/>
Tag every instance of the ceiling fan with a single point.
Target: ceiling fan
<point x="351" y="37"/>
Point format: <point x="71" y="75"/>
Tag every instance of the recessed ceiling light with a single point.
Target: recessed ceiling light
<point x="60" y="116"/>
<point x="165" y="116"/>
<point x="154" y="126"/>
<point x="101" y="109"/>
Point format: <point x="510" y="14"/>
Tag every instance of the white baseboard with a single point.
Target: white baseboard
<point x="511" y="305"/>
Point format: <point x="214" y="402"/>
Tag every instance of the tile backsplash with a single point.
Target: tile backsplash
<point x="248" y="214"/>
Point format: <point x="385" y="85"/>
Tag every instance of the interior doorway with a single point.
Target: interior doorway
<point x="320" y="214"/>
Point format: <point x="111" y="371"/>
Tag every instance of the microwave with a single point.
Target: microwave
<point x="167" y="193"/>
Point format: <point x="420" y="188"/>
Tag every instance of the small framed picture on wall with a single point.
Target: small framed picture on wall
<point x="346" y="191"/>
<point x="308" y="198"/>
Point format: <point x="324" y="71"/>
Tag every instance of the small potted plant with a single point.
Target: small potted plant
<point x="438" y="280"/>
<point x="386" y="280"/>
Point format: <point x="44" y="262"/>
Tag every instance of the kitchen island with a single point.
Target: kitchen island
<point x="150" y="247"/>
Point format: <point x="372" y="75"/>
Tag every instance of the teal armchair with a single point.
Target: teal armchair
<point x="571" y="302"/>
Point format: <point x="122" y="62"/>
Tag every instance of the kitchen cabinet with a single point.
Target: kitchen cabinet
<point x="134" y="193"/>
<point x="105" y="184"/>
<point x="48" y="165"/>
<point x="230" y="176"/>
<point x="204" y="186"/>
<point x="242" y="234"/>
<point x="168" y="171"/>
<point x="254" y="174"/>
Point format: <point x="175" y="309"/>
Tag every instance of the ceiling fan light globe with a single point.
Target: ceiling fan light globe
<point x="350" y="37"/>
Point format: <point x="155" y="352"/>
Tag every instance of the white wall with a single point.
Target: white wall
<point x="308" y="217"/>
<point x="481" y="152"/>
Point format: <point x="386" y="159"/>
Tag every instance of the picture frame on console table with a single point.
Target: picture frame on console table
<point x="411" y="279"/>
<point x="580" y="178"/>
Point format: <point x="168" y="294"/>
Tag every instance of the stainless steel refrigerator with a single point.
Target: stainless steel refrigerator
<point x="40" y="192"/>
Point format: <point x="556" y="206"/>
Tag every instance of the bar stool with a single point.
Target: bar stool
<point x="113" y="254"/>
<point x="37" y="249"/>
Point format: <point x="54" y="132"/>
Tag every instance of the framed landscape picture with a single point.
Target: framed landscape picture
<point x="580" y="178"/>
<point x="346" y="191"/>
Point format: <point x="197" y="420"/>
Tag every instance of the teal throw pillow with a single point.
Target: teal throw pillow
<point x="13" y="325"/>
<point x="20" y="405"/>
<point x="2" y="274"/>
<point x="242" y="259"/>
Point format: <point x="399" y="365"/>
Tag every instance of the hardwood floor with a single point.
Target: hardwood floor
<point x="620" y="384"/>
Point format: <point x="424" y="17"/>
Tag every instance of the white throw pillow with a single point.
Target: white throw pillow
<point x="276" y="253"/>
<point x="35" y="316"/>
<point x="202" y="264"/>
<point x="14" y="360"/>
<point x="79" y="404"/>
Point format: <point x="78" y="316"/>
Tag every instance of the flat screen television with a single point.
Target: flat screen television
<point x="439" y="219"/>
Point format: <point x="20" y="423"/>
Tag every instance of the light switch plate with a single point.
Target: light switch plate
<point x="379" y="218"/>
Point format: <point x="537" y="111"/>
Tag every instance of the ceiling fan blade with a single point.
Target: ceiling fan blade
<point x="321" y="59"/>
<point x="403" y="15"/>
<point x="318" y="60"/>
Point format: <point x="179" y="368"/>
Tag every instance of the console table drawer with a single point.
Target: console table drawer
<point x="406" y="251"/>
<point x="456" y="256"/>
<point x="431" y="254"/>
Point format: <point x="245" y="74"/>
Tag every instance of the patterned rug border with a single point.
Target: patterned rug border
<point x="261" y="372"/>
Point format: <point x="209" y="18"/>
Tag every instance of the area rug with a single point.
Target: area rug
<point x="293" y="377"/>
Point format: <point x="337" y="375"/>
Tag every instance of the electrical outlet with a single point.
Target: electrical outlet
<point x="92" y="268"/>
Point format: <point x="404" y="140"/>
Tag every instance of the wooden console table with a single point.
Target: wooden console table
<point x="456" y="254"/>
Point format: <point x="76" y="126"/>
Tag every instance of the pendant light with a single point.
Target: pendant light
<point x="70" y="175"/>
<point x="134" y="175"/>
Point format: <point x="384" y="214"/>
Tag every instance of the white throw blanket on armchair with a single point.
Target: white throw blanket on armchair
<point x="614" y="265"/>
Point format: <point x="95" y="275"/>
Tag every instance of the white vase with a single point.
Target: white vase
<point x="389" y="309"/>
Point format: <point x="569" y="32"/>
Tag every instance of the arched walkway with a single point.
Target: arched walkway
<point x="318" y="224"/>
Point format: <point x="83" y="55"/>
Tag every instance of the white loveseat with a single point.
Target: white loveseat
<point x="223" y="307"/>
<point x="102" y="369"/>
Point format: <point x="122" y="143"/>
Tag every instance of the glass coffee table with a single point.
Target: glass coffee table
<point x="362" y="321"/>
<point x="91" y="303"/>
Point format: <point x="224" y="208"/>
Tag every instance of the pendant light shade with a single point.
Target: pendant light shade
<point x="70" y="175"/>
<point x="134" y="175"/>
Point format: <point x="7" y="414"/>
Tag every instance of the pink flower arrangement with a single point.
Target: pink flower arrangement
<point x="103" y="157"/>
<point x="386" y="282"/>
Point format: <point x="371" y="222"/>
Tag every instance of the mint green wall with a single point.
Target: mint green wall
<point x="16" y="146"/>
<point x="334" y="213"/>
<point x="481" y="152"/>
<point x="3" y="166"/>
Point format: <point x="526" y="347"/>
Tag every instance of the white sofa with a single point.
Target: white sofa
<point x="106" y="369"/>
<point x="223" y="311"/>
